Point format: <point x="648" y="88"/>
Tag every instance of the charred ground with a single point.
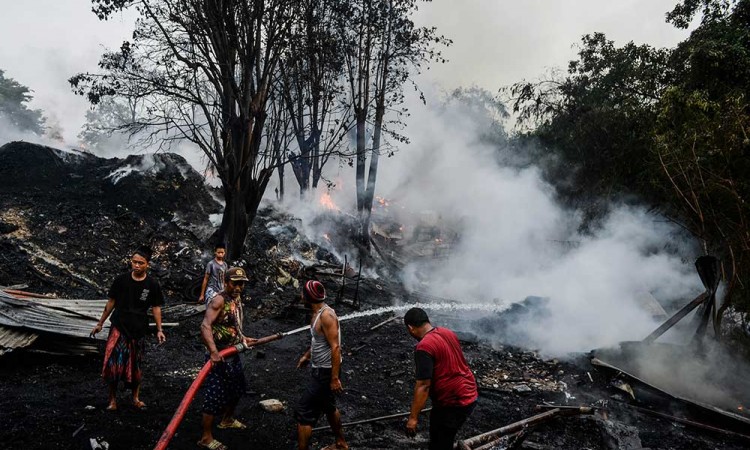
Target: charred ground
<point x="66" y="227"/>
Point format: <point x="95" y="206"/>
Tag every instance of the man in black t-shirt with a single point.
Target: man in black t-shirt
<point x="130" y="297"/>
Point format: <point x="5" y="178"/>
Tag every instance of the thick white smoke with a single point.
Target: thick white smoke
<point x="517" y="241"/>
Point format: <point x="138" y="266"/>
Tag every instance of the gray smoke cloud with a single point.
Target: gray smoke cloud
<point x="9" y="132"/>
<point x="515" y="240"/>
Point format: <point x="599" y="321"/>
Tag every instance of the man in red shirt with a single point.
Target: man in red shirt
<point x="443" y="375"/>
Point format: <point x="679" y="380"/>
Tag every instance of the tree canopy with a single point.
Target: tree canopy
<point x="14" y="109"/>
<point x="246" y="80"/>
<point x="667" y="125"/>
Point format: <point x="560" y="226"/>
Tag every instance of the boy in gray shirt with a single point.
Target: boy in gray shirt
<point x="213" y="280"/>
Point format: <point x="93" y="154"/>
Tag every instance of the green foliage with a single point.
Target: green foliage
<point x="13" y="106"/>
<point x="710" y="10"/>
<point x="599" y="119"/>
<point x="702" y="139"/>
<point x="670" y="125"/>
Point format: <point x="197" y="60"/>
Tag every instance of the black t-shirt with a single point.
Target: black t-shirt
<point x="132" y="300"/>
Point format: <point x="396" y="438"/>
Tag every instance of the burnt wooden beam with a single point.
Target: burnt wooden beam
<point x="385" y="322"/>
<point x="679" y="315"/>
<point x="484" y="438"/>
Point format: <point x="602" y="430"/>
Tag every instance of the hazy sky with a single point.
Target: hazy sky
<point x="496" y="42"/>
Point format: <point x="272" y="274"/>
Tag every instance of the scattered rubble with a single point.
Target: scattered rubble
<point x="70" y="234"/>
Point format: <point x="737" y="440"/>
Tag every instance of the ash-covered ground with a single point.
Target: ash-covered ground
<point x="67" y="224"/>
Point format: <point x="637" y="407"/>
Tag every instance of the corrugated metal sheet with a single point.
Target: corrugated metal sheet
<point x="60" y="326"/>
<point x="30" y="315"/>
<point x="90" y="309"/>
<point x="11" y="339"/>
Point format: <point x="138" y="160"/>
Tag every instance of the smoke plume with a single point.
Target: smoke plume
<point x="515" y="240"/>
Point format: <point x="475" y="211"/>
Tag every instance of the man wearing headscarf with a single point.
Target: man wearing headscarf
<point x="325" y="355"/>
<point x="130" y="296"/>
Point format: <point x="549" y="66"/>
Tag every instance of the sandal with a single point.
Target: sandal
<point x="233" y="425"/>
<point x="213" y="445"/>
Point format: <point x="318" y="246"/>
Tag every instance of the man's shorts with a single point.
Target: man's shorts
<point x="210" y="293"/>
<point x="317" y="399"/>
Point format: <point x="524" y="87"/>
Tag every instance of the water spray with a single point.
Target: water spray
<point x="456" y="307"/>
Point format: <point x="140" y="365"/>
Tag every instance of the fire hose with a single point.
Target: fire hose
<point x="171" y="429"/>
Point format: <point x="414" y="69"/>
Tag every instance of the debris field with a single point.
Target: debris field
<point x="68" y="234"/>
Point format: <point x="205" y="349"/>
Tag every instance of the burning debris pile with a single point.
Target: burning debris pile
<point x="69" y="233"/>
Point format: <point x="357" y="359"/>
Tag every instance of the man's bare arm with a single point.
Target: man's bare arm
<point x="421" y="393"/>
<point x="105" y="314"/>
<point x="212" y="313"/>
<point x="330" y="327"/>
<point x="157" y="318"/>
<point x="201" y="297"/>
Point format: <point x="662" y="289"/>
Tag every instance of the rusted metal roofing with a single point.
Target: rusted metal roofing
<point x="59" y="326"/>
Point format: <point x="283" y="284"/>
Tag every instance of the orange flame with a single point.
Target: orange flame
<point x="327" y="202"/>
<point x="381" y="200"/>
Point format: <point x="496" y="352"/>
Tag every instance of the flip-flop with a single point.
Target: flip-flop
<point x="140" y="405"/>
<point x="234" y="425"/>
<point x="213" y="445"/>
<point x="111" y="408"/>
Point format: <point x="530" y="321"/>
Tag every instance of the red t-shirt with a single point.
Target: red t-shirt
<point x="452" y="384"/>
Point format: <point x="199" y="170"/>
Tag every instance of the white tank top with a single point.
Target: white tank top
<point x="320" y="351"/>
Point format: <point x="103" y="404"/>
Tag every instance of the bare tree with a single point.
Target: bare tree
<point x="310" y="79"/>
<point x="206" y="68"/>
<point x="279" y="134"/>
<point x="382" y="48"/>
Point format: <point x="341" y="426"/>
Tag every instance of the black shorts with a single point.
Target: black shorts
<point x="317" y="399"/>
<point x="444" y="424"/>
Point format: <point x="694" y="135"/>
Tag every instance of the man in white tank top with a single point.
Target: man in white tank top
<point x="325" y="355"/>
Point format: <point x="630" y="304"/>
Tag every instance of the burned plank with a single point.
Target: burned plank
<point x="493" y="435"/>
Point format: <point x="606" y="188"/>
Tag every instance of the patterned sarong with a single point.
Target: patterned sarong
<point x="122" y="358"/>
<point x="224" y="385"/>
